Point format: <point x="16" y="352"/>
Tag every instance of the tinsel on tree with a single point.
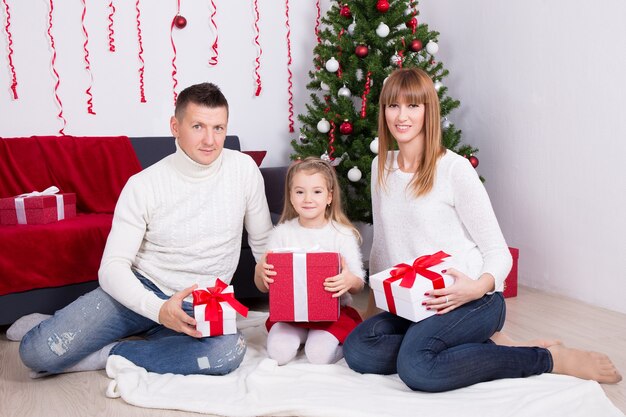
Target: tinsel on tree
<point x="360" y="43"/>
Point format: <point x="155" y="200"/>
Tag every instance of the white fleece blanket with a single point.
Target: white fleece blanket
<point x="259" y="387"/>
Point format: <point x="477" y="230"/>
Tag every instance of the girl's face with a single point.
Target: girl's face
<point x="405" y="121"/>
<point x="309" y="196"/>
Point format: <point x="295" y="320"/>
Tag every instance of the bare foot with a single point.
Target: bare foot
<point x="583" y="364"/>
<point x="502" y="339"/>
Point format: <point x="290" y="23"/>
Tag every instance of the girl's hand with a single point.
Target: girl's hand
<point x="263" y="273"/>
<point x="344" y="282"/>
<point x="461" y="292"/>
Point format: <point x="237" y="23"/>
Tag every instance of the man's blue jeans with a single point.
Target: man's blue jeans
<point x="443" y="352"/>
<point x="96" y="320"/>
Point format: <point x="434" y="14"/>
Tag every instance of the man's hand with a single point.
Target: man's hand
<point x="174" y="317"/>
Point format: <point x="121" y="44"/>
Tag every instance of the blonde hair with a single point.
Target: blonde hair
<point x="334" y="211"/>
<point x="412" y="86"/>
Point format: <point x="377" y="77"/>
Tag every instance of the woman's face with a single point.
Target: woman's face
<point x="405" y="121"/>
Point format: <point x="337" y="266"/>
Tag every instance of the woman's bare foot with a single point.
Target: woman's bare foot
<point x="502" y="339"/>
<point x="583" y="364"/>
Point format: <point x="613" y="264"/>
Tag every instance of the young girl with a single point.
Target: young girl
<point x="425" y="199"/>
<point x="313" y="219"/>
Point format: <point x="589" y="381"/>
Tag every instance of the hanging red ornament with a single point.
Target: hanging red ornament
<point x="361" y="51"/>
<point x="345" y="12"/>
<point x="473" y="160"/>
<point x="345" y="128"/>
<point x="411" y="24"/>
<point x="382" y="6"/>
<point x="180" y="22"/>
<point x="416" y="45"/>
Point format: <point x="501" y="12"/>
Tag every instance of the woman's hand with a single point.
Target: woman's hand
<point x="263" y="273"/>
<point x="172" y="315"/>
<point x="461" y="292"/>
<point x="344" y="282"/>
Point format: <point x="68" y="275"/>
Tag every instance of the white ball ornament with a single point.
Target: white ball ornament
<point x="438" y="85"/>
<point x="382" y="30"/>
<point x="351" y="28"/>
<point x="324" y="86"/>
<point x="374" y="145"/>
<point x="354" y="174"/>
<point x="323" y="126"/>
<point x="332" y="65"/>
<point x="344" y="92"/>
<point x="432" y="47"/>
<point x="445" y="123"/>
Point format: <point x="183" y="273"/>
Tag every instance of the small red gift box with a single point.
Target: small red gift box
<point x="297" y="293"/>
<point x="510" y="283"/>
<point x="215" y="309"/>
<point x="37" y="207"/>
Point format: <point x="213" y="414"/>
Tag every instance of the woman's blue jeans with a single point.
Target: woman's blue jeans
<point x="443" y="352"/>
<point x="96" y="320"/>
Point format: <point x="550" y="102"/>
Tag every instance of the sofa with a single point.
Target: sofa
<point x="45" y="267"/>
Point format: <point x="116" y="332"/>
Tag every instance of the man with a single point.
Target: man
<point x="177" y="225"/>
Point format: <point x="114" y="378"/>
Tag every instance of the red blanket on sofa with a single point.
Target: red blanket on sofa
<point x="69" y="251"/>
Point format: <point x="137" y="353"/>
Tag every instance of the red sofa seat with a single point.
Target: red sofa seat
<point x="69" y="251"/>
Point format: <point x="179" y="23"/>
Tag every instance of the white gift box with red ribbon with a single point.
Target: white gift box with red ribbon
<point x="215" y="309"/>
<point x="400" y="289"/>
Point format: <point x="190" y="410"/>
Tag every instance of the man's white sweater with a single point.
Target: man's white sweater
<point x="455" y="216"/>
<point x="179" y="223"/>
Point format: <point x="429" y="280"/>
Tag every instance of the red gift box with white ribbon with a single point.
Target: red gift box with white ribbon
<point x="400" y="290"/>
<point x="38" y="207"/>
<point x="215" y="309"/>
<point x="297" y="293"/>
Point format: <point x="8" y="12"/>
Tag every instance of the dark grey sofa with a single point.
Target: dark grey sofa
<point x="150" y="150"/>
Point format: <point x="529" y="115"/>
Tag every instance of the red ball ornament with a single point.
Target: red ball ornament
<point x="382" y="6"/>
<point x="473" y="160"/>
<point x="180" y="22"/>
<point x="345" y="128"/>
<point x="361" y="51"/>
<point x="345" y="12"/>
<point x="411" y="24"/>
<point x="416" y="45"/>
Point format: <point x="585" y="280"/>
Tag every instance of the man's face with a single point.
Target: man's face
<point x="201" y="132"/>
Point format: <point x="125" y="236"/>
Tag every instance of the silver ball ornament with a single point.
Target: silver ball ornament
<point x="344" y="92"/>
<point x="432" y="47"/>
<point x="445" y="123"/>
<point x="351" y="28"/>
<point x="374" y="145"/>
<point x="323" y="126"/>
<point x="382" y="30"/>
<point x="354" y="174"/>
<point x="332" y="65"/>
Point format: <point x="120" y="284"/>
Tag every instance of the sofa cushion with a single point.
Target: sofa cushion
<point x="257" y="156"/>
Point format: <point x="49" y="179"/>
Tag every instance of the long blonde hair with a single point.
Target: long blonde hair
<point x="413" y="86"/>
<point x="334" y="211"/>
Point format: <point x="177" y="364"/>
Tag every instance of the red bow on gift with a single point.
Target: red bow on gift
<point x="407" y="274"/>
<point x="212" y="297"/>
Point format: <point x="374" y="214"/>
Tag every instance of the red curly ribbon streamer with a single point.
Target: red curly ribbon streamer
<point x="142" y="67"/>
<point x="259" y="50"/>
<point x="366" y="91"/>
<point x="213" y="60"/>
<point x="54" y="71"/>
<point x="331" y="135"/>
<point x="174" y="68"/>
<point x="87" y="62"/>
<point x="290" y="83"/>
<point x="111" y="31"/>
<point x="317" y="21"/>
<point x="339" y="71"/>
<point x="7" y="29"/>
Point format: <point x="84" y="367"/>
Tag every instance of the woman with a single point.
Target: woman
<point x="425" y="199"/>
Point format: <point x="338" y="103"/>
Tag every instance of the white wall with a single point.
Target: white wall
<point x="542" y="93"/>
<point x="541" y="85"/>
<point x="261" y="122"/>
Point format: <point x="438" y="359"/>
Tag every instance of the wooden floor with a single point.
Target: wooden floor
<point x="530" y="315"/>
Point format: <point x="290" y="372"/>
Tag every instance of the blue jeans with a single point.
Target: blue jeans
<point x="443" y="352"/>
<point x="96" y="320"/>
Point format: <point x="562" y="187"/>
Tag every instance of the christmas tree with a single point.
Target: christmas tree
<point x="360" y="43"/>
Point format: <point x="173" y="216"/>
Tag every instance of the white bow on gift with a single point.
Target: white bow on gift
<point x="21" y="211"/>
